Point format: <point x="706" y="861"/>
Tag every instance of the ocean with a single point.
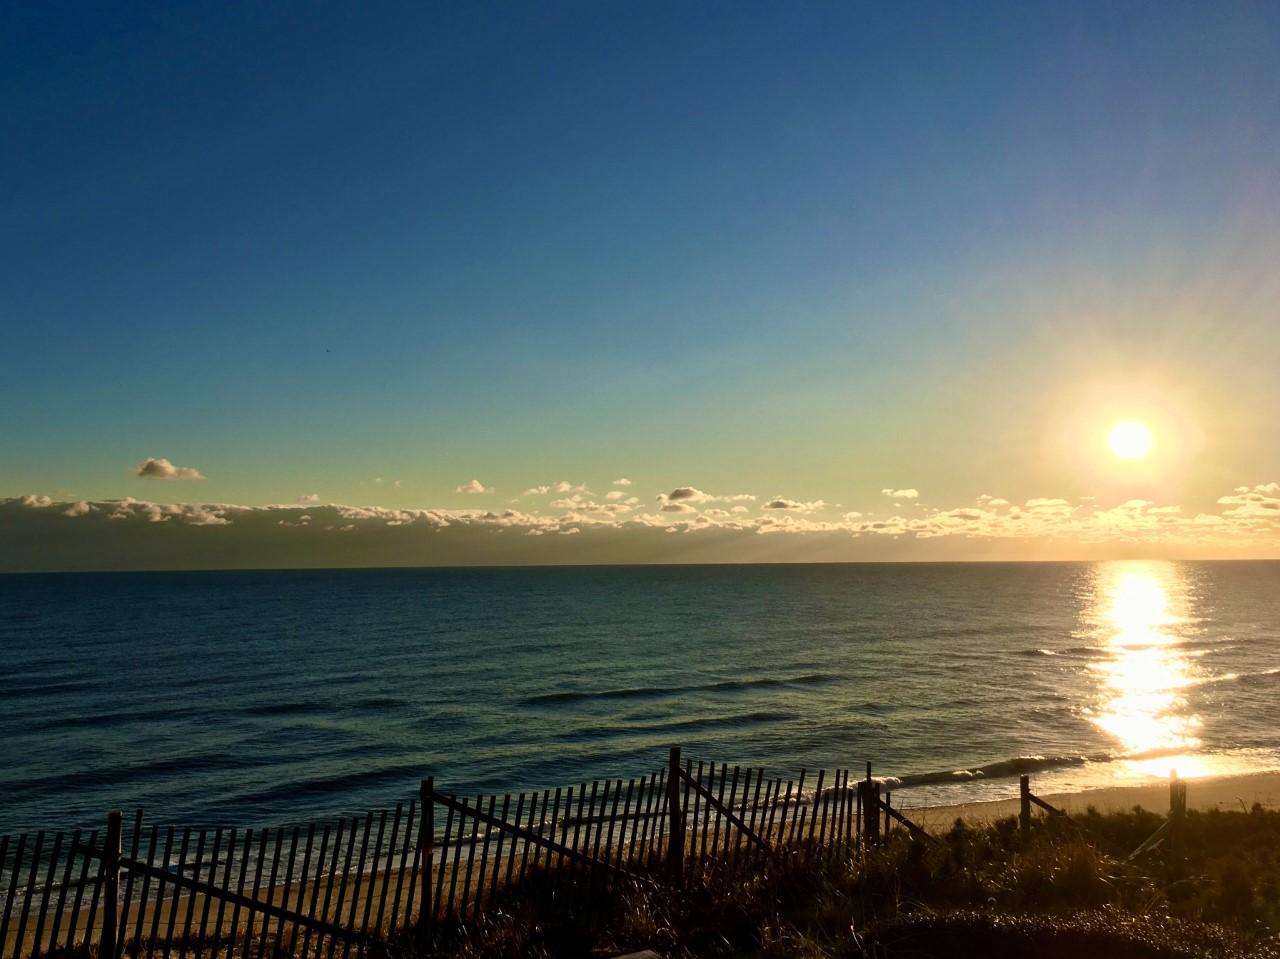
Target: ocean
<point x="265" y="698"/>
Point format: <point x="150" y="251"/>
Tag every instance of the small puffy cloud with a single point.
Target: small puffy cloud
<point x="992" y="501"/>
<point x="309" y="498"/>
<point x="684" y="494"/>
<point x="622" y="482"/>
<point x="472" y="486"/>
<point x="34" y="501"/>
<point x="854" y="514"/>
<point x="677" y="508"/>
<point x="691" y="494"/>
<point x="537" y="491"/>
<point x="157" y="467"/>
<point x="901" y="493"/>
<point x="799" y="506"/>
<point x="79" y="508"/>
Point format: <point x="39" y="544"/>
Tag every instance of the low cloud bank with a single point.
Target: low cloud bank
<point x="39" y="533"/>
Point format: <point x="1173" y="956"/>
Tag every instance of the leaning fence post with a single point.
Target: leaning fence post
<point x="870" y="792"/>
<point x="426" y="850"/>
<point x="1024" y="813"/>
<point x="110" y="886"/>
<point x="1177" y="818"/>
<point x="675" y="834"/>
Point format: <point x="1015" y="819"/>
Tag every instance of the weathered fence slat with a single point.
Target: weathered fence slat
<point x="13" y="887"/>
<point x="27" y="893"/>
<point x="177" y="893"/>
<point x="425" y="913"/>
<point x="386" y="872"/>
<point x="43" y="909"/>
<point x="226" y="884"/>
<point x="290" y="858"/>
<point x="358" y="879"/>
<point x="191" y="900"/>
<point x="213" y="873"/>
<point x="81" y="882"/>
<point x="264" y="836"/>
<point x="478" y="897"/>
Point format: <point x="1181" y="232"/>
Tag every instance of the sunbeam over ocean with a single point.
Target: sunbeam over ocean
<point x="254" y="697"/>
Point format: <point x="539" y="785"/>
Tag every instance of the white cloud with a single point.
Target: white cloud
<point x="901" y="493"/>
<point x="160" y="468"/>
<point x="309" y="498"/>
<point x="580" y="503"/>
<point x="472" y="486"/>
<point x="622" y="482"/>
<point x="564" y="486"/>
<point x="1253" y="504"/>
<point x="993" y="501"/>
<point x="1247" y="522"/>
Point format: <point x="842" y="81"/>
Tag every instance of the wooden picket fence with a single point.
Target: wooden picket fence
<point x="390" y="881"/>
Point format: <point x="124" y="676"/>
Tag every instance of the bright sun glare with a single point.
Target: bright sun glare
<point x="1130" y="440"/>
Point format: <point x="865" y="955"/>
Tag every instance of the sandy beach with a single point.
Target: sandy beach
<point x="1225" y="792"/>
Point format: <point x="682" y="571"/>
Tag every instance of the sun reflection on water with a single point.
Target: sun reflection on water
<point x="1144" y="671"/>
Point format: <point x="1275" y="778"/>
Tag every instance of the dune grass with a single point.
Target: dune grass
<point x="1070" y="892"/>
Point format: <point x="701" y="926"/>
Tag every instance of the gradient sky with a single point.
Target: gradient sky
<point x="801" y="252"/>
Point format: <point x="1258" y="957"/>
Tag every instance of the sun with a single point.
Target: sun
<point x="1130" y="440"/>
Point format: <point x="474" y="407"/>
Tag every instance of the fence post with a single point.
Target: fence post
<point x="1024" y="813"/>
<point x="426" y="850"/>
<point x="1177" y="818"/>
<point x="870" y="793"/>
<point x="110" y="887"/>
<point x="675" y="832"/>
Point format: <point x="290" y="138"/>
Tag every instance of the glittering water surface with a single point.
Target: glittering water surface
<point x="263" y="697"/>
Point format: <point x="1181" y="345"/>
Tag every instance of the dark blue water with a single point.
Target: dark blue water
<point x="270" y="697"/>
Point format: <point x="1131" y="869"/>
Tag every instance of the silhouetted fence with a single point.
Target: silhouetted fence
<point x="386" y="882"/>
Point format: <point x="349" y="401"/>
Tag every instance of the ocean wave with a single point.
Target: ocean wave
<point x="642" y="692"/>
<point x="285" y="709"/>
<point x="1002" y="769"/>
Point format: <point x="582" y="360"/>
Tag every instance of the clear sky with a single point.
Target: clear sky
<point x="806" y="253"/>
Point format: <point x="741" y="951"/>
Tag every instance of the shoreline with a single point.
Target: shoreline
<point x="1232" y="792"/>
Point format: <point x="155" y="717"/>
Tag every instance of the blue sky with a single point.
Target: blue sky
<point x="809" y="251"/>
